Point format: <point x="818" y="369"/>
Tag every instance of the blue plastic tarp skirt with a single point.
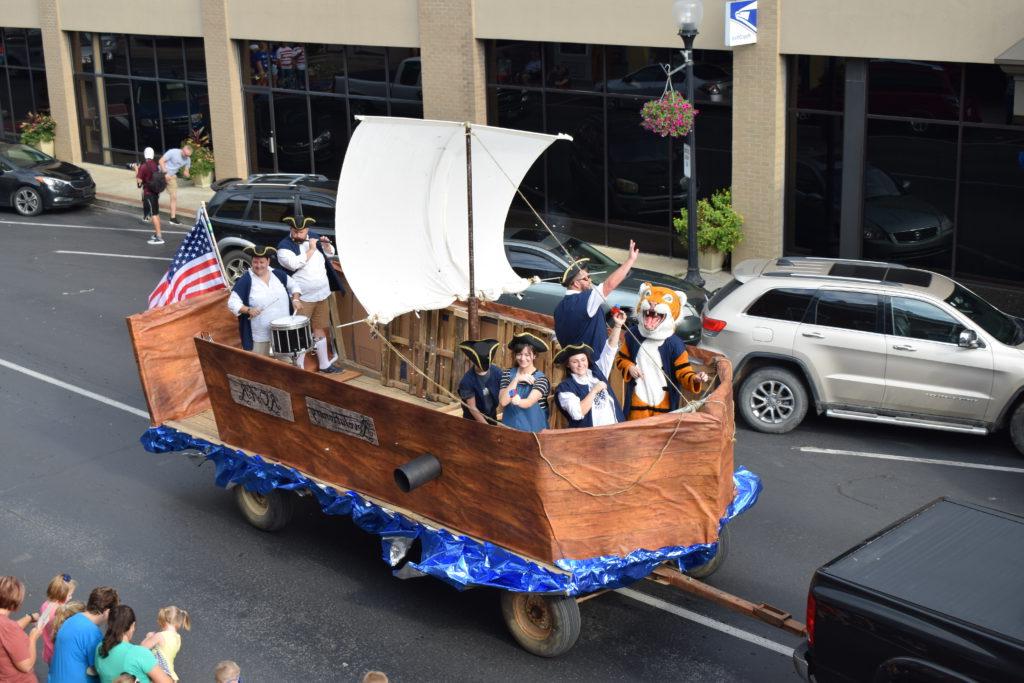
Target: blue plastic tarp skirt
<point x="455" y="559"/>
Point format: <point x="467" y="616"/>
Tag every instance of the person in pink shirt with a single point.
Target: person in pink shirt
<point x="58" y="592"/>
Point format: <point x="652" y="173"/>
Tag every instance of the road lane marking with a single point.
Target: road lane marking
<point x="706" y="621"/>
<point x="72" y="388"/>
<point x="907" y="458"/>
<point x="91" y="227"/>
<point x="98" y="253"/>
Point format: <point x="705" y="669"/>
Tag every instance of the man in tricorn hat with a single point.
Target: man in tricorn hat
<point x="305" y="254"/>
<point x="480" y="386"/>
<point x="260" y="296"/>
<point x="577" y="319"/>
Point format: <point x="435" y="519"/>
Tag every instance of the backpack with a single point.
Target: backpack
<point x="157" y="182"/>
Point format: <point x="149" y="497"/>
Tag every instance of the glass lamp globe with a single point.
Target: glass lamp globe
<point x="687" y="14"/>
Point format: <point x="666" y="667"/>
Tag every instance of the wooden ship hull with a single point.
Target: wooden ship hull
<point x="561" y="494"/>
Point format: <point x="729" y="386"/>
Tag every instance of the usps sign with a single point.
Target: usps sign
<point x="740" y="22"/>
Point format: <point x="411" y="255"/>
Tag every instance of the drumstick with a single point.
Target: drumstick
<point x="264" y="309"/>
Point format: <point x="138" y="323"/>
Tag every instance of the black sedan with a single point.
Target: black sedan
<point x="31" y="181"/>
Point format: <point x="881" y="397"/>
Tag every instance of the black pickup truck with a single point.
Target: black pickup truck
<point x="937" y="596"/>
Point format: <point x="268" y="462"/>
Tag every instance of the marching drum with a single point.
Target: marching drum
<point x="290" y="335"/>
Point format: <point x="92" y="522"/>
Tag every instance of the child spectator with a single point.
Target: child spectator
<point x="58" y="592"/>
<point x="479" y="387"/>
<point x="227" y="672"/>
<point x="166" y="642"/>
<point x="375" y="677"/>
<point x="65" y="612"/>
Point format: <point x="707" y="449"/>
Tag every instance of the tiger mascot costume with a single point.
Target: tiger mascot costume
<point x="650" y="347"/>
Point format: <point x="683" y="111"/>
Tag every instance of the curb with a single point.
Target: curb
<point x="114" y="201"/>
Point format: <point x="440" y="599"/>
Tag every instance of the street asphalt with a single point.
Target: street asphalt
<point x="315" y="602"/>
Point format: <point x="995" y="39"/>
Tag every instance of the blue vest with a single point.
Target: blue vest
<point x="291" y="245"/>
<point x="670" y="349"/>
<point x="571" y="386"/>
<point x="470" y="385"/>
<point x="574" y="326"/>
<point x="243" y="287"/>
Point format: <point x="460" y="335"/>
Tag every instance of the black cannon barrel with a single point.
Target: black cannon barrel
<point x="418" y="472"/>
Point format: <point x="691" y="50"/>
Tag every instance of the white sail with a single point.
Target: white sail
<point x="402" y="219"/>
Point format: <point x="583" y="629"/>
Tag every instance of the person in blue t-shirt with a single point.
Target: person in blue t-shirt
<point x="74" y="648"/>
<point x="479" y="387"/>
<point x="577" y="316"/>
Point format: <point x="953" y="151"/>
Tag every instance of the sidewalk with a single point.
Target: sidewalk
<point x="669" y="266"/>
<point x="116" y="186"/>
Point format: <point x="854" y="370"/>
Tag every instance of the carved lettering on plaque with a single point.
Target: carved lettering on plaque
<point x="341" y="420"/>
<point x="261" y="397"/>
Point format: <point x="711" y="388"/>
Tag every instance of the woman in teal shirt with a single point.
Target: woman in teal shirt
<point x="116" y="655"/>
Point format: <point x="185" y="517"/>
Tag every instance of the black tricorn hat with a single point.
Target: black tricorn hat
<point x="531" y="339"/>
<point x="263" y="251"/>
<point x="480" y="351"/>
<point x="302" y="223"/>
<point x="574" y="269"/>
<point x="571" y="350"/>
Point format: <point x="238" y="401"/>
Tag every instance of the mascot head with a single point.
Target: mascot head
<point x="659" y="311"/>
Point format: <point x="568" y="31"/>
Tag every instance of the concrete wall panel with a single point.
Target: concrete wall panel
<point x="606" y="22"/>
<point x="940" y="30"/>
<point x="352" y="22"/>
<point x="19" y="13"/>
<point x="146" y="17"/>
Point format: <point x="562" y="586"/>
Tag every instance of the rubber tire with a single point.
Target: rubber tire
<point x="29" y="191"/>
<point x="236" y="264"/>
<point x="1017" y="428"/>
<point x="708" y="568"/>
<point x="560" y="613"/>
<point x="783" y="376"/>
<point x="267" y="513"/>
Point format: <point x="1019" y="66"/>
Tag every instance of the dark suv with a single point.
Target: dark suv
<point x="250" y="212"/>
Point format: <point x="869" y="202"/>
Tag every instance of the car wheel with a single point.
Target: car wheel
<point x="27" y="201"/>
<point x="237" y="264"/>
<point x="772" y="400"/>
<point x="1017" y="428"/>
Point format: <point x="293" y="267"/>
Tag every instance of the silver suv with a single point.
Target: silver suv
<point x="868" y="341"/>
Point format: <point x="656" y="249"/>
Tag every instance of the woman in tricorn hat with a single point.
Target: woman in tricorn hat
<point x="584" y="396"/>
<point x="524" y="389"/>
<point x="260" y="296"/>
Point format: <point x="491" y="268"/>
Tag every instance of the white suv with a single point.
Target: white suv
<point x="869" y="341"/>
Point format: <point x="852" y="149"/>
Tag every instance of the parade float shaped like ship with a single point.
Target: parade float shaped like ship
<point x="421" y="213"/>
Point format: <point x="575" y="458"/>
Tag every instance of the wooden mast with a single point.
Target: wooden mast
<point x="474" y="304"/>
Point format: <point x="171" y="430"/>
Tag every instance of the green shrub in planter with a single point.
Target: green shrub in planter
<point x="719" y="227"/>
<point x="202" y="155"/>
<point x="37" y="128"/>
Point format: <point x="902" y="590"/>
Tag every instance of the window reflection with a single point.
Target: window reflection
<point x="143" y="56"/>
<point x="924" y="90"/>
<point x="22" y="79"/>
<point x="816" y="185"/>
<point x="290" y="131"/>
<point x="573" y="66"/>
<point x="820" y="82"/>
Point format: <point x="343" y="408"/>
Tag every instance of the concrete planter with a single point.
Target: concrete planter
<point x="711" y="261"/>
<point x="44" y="147"/>
<point x="200" y="180"/>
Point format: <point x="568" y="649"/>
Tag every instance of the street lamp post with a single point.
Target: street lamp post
<point x="687" y="14"/>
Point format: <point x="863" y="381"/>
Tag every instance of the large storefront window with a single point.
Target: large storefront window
<point x="22" y="79"/>
<point x="135" y="92"/>
<point x="943" y="181"/>
<point x="615" y="181"/>
<point x="301" y="100"/>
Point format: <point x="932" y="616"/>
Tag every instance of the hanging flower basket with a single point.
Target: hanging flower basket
<point x="669" y="115"/>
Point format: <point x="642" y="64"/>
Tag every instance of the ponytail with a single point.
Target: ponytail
<point x="120" y="621"/>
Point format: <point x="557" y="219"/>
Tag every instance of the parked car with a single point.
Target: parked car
<point x="934" y="597"/>
<point x="249" y="212"/>
<point x="865" y="340"/>
<point x="898" y="225"/>
<point x="31" y="181"/>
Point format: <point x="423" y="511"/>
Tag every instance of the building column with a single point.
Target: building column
<point x="454" y="77"/>
<point x="60" y="82"/>
<point x="759" y="137"/>
<point x="227" y="113"/>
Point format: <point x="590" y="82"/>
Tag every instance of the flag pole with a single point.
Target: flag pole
<point x="213" y="243"/>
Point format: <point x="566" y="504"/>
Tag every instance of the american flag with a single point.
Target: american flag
<point x="194" y="270"/>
